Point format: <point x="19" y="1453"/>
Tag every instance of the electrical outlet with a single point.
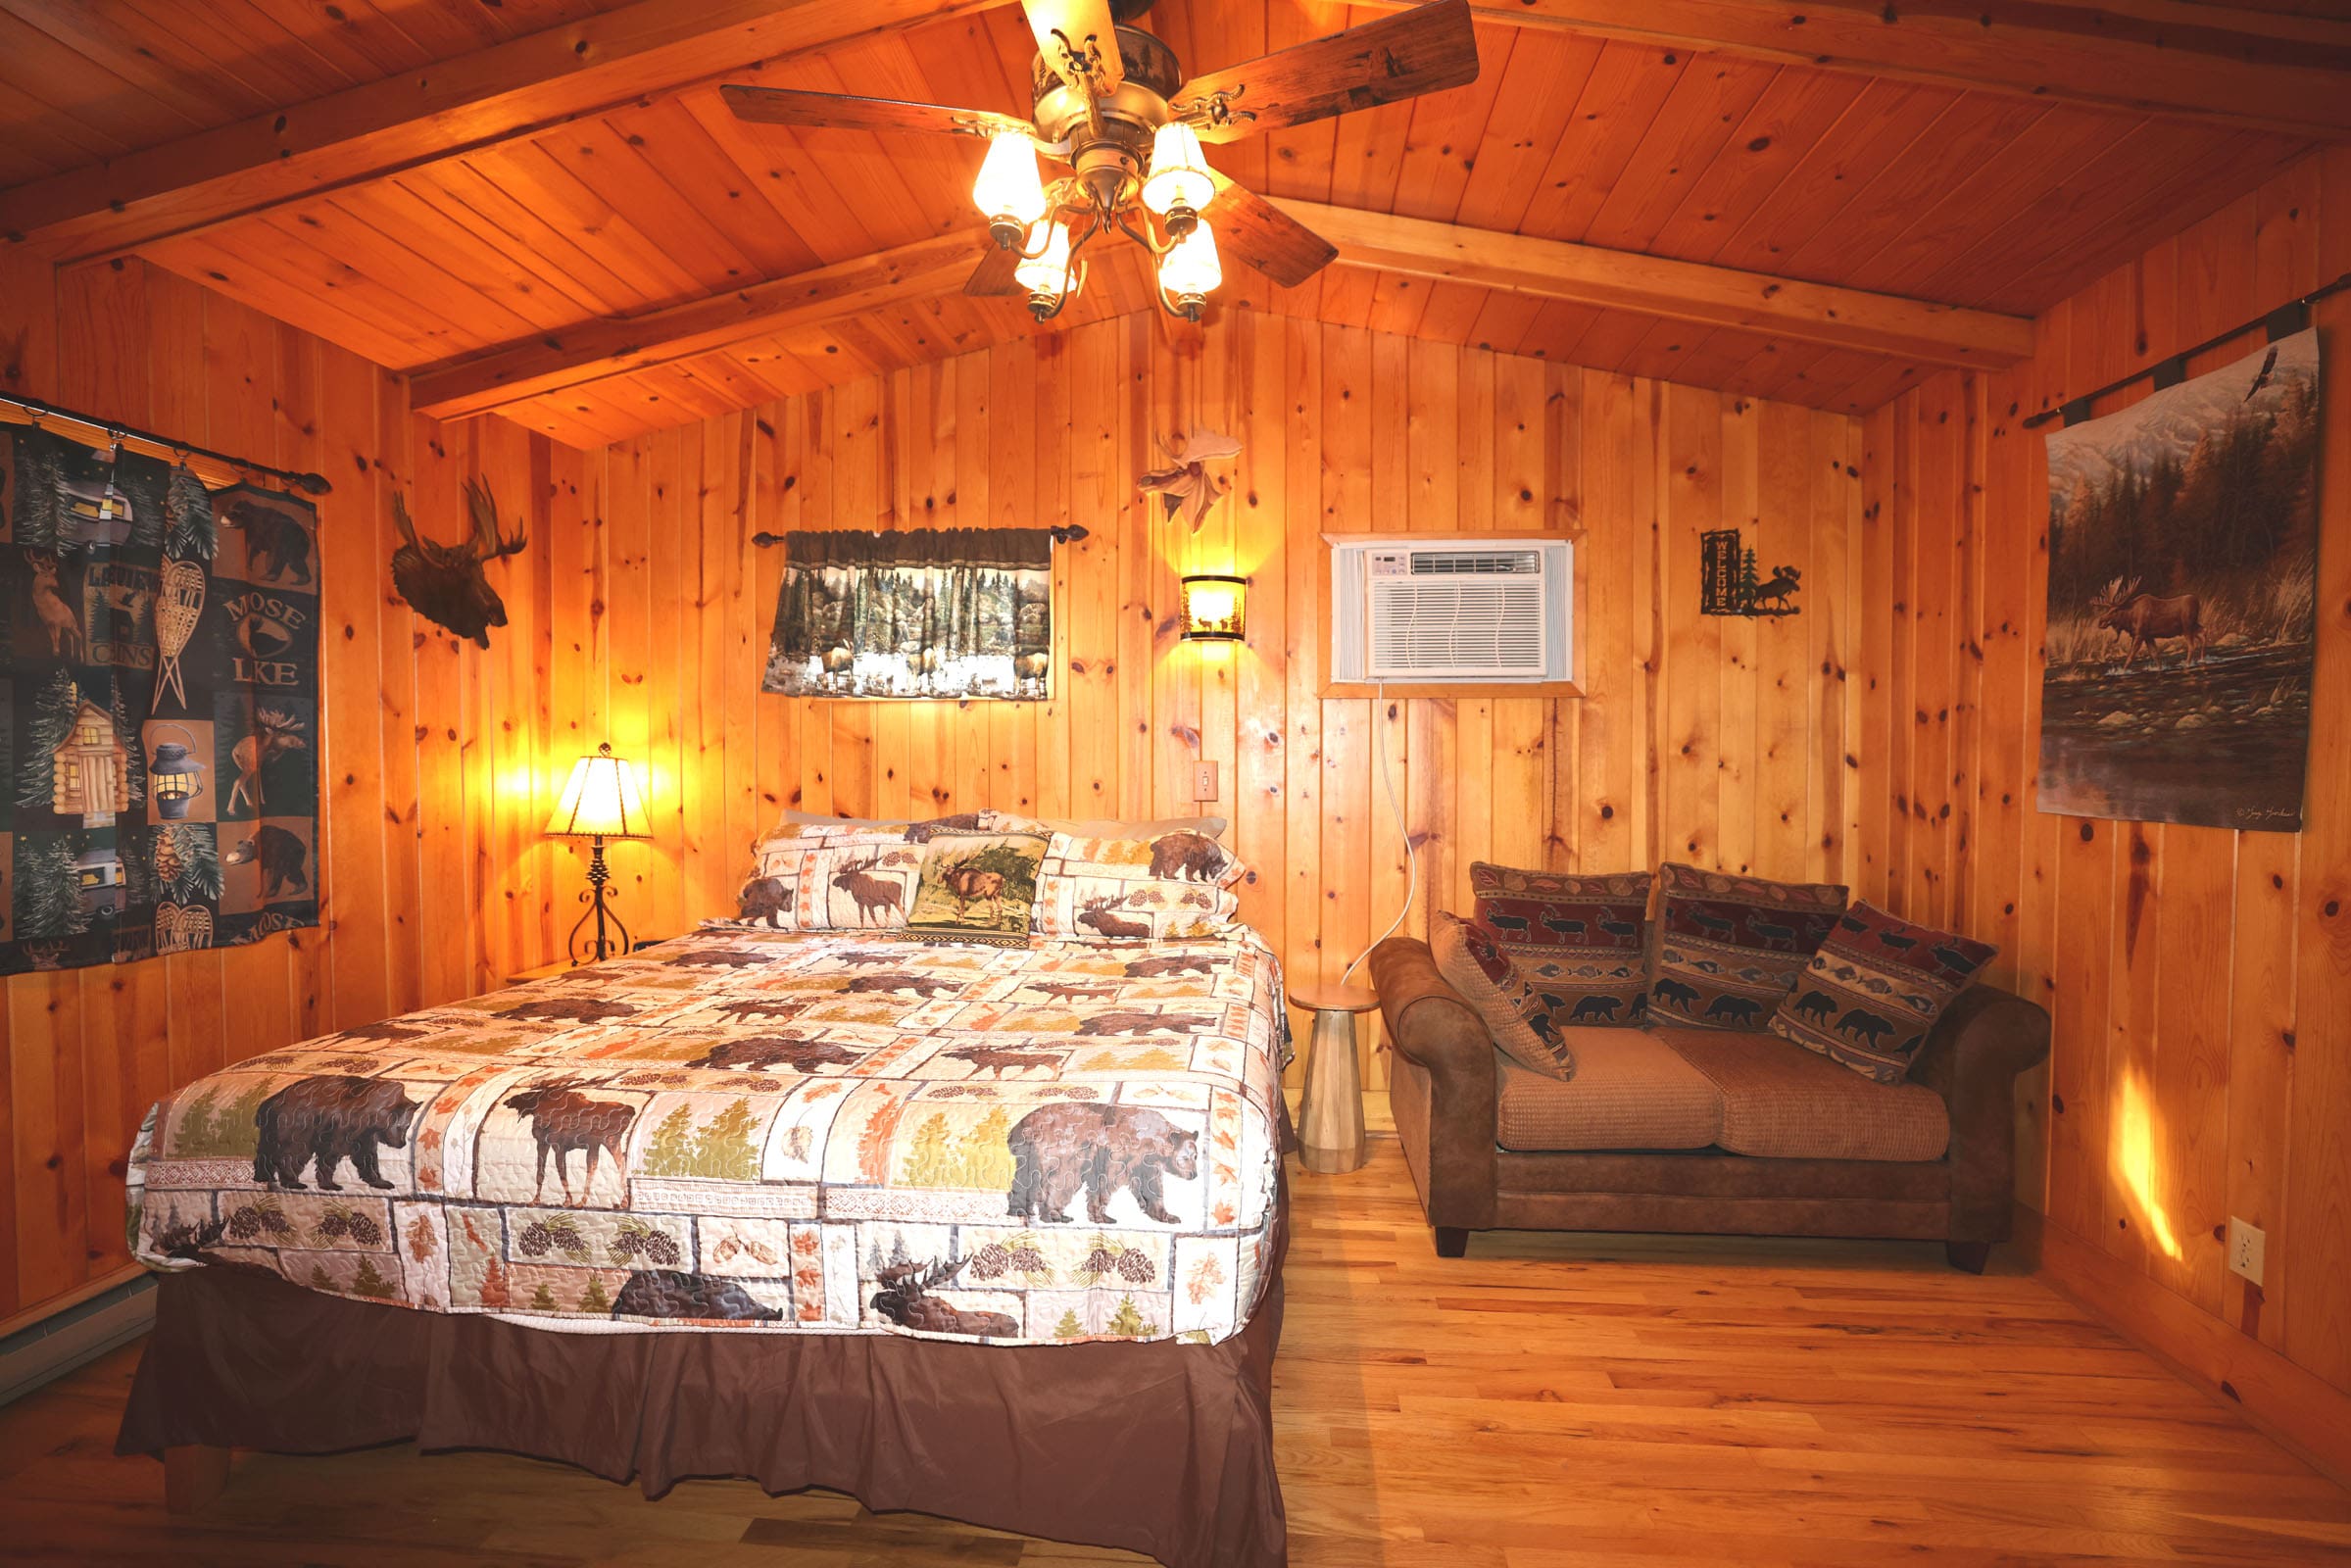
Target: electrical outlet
<point x="1204" y="781"/>
<point x="2245" y="1245"/>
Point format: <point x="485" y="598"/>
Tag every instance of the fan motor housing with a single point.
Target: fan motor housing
<point x="1129" y="115"/>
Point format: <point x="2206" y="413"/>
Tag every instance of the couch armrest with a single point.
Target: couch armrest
<point x="1432" y="1027"/>
<point x="1983" y="1040"/>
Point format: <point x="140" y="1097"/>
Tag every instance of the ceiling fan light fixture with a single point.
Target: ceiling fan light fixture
<point x="1179" y="180"/>
<point x="1190" y="272"/>
<point x="1008" y="192"/>
<point x="1045" y="269"/>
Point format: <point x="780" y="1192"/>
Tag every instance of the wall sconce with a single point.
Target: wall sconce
<point x="1213" y="608"/>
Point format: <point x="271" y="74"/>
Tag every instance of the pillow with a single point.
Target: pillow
<point x="1872" y="993"/>
<point x="836" y="873"/>
<point x="983" y="883"/>
<point x="1725" y="949"/>
<point x="1523" y="1021"/>
<point x="1134" y="888"/>
<point x="1576" y="936"/>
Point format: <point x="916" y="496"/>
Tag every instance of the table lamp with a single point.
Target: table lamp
<point x="601" y="801"/>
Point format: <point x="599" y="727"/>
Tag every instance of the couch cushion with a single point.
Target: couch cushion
<point x="1629" y="1091"/>
<point x="1525" y="1023"/>
<point x="1724" y="948"/>
<point x="1874" y="989"/>
<point x="1781" y="1101"/>
<point x="1575" y="937"/>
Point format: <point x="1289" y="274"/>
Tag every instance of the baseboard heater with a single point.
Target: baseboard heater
<point x="75" y="1336"/>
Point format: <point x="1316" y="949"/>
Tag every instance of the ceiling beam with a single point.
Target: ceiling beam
<point x="511" y="89"/>
<point x="609" y="345"/>
<point x="1682" y="291"/>
<point x="2290" y="75"/>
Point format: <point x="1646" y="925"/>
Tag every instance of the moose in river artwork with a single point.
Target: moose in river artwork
<point x="2182" y="600"/>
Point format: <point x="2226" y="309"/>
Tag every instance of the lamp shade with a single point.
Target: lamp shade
<point x="600" y="801"/>
<point x="1009" y="189"/>
<point x="1179" y="175"/>
<point x="1213" y="608"/>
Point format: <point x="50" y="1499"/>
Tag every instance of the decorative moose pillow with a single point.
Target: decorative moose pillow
<point x="1578" y="936"/>
<point x="1523" y="1017"/>
<point x="841" y="875"/>
<point x="1873" y="991"/>
<point x="1137" y="888"/>
<point x="1725" y="949"/>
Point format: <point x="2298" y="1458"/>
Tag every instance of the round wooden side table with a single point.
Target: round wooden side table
<point x="1330" y="1114"/>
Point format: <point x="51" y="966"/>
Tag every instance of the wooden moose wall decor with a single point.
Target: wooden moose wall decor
<point x="1184" y="486"/>
<point x="444" y="583"/>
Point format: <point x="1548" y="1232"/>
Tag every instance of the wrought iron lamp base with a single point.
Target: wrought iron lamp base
<point x="599" y="898"/>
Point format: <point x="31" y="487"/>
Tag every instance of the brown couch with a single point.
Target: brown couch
<point x="1705" y="1131"/>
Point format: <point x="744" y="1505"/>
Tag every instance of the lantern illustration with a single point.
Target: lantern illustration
<point x="173" y="778"/>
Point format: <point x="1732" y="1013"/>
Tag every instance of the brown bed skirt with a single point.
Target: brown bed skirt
<point x="1157" y="1448"/>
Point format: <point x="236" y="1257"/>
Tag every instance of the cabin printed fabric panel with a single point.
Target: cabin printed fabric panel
<point x="1578" y="938"/>
<point x="1066" y="1141"/>
<point x="1176" y="885"/>
<point x="1874" y="991"/>
<point x="158" y="704"/>
<point x="1725" y="949"/>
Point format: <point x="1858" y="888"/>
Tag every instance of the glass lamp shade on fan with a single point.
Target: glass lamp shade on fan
<point x="600" y="801"/>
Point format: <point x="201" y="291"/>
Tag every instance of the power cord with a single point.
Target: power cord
<point x="1395" y="812"/>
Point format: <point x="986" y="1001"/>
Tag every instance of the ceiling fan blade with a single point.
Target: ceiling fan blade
<point x="1087" y="26"/>
<point x="1426" y="49"/>
<point x="833" y="110"/>
<point x="994" y="275"/>
<point x="1251" y="229"/>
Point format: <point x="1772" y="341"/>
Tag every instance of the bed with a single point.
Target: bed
<point x="989" y="1231"/>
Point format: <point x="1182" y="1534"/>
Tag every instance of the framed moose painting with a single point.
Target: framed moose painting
<point x="2182" y="600"/>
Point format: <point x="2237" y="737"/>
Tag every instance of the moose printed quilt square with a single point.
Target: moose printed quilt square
<point x="1575" y="936"/>
<point x="757" y="1130"/>
<point x="1725" y="949"/>
<point x="1175" y="885"/>
<point x="1873" y="991"/>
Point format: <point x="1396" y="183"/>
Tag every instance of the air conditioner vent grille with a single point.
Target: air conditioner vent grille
<point x="1455" y="612"/>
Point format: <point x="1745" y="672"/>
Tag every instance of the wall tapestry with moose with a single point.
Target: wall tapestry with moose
<point x="957" y="612"/>
<point x="158" y="707"/>
<point x="2182" y="600"/>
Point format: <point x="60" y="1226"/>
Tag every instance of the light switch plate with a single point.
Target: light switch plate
<point x="1204" y="781"/>
<point x="2246" y="1244"/>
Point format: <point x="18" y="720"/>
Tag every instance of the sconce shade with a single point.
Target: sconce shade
<point x="600" y="801"/>
<point x="1214" y="608"/>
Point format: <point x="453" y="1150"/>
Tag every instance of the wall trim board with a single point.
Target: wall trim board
<point x="2301" y="1411"/>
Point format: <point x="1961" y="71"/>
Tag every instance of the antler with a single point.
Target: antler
<point x="403" y="522"/>
<point x="487" y="544"/>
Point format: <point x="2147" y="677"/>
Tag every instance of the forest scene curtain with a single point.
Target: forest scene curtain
<point x="157" y="707"/>
<point x="953" y="613"/>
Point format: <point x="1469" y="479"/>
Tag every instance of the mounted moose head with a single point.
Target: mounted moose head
<point x="444" y="583"/>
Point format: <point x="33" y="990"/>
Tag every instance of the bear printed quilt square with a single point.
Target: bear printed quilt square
<point x="1873" y="991"/>
<point x="767" y="1131"/>
<point x="1724" y="949"/>
<point x="1177" y="884"/>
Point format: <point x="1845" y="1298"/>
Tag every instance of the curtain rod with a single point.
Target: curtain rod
<point x="1060" y="536"/>
<point x="2285" y="321"/>
<point x="157" y="446"/>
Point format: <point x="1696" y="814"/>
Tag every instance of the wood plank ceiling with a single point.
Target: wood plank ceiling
<point x="1994" y="201"/>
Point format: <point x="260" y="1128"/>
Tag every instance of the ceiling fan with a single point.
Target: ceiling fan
<point x="1111" y="103"/>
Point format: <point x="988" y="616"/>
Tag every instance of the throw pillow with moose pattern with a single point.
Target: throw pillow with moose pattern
<point x="1726" y="949"/>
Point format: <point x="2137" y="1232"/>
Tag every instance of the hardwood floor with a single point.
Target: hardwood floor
<point x="1547" y="1402"/>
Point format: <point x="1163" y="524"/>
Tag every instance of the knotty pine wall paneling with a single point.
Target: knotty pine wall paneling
<point x="1720" y="741"/>
<point x="2200" y="980"/>
<point x="433" y="755"/>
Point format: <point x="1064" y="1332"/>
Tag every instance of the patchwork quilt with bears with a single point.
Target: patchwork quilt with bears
<point x="751" y="1129"/>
